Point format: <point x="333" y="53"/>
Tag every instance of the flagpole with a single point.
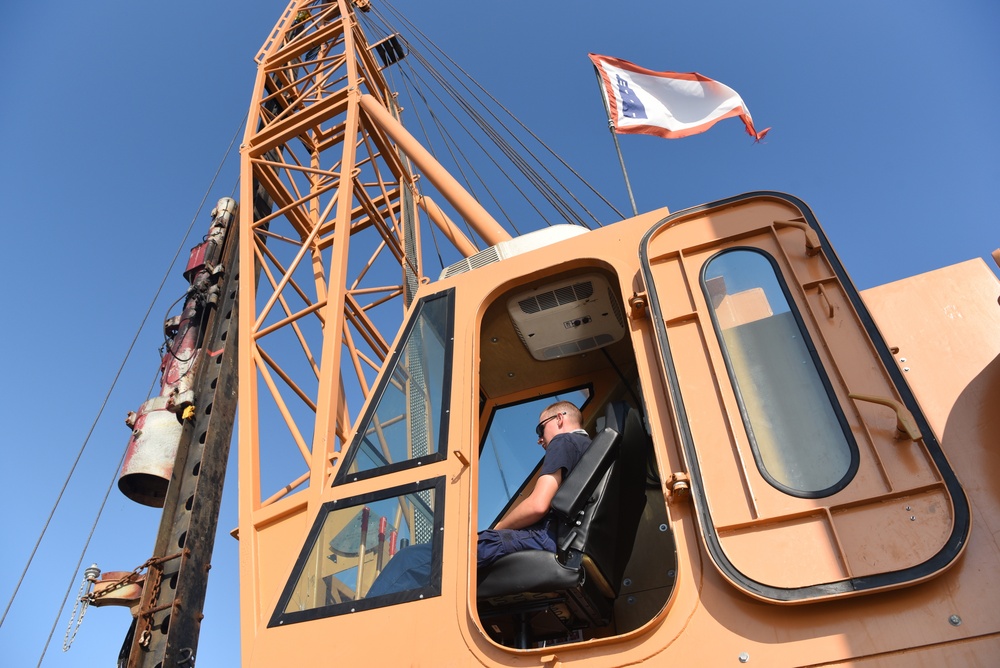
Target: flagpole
<point x="614" y="136"/>
<point x="621" y="160"/>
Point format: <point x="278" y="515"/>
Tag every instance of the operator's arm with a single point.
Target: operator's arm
<point x="536" y="506"/>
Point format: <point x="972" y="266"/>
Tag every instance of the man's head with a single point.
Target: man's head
<point x="559" y="418"/>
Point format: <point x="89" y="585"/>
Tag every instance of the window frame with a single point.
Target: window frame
<point x="280" y="617"/>
<point x="343" y="473"/>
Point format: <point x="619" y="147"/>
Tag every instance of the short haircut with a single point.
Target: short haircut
<point x="572" y="412"/>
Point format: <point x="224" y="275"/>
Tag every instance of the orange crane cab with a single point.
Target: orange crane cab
<point x="795" y="505"/>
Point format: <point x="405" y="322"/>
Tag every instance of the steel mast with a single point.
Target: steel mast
<point x="336" y="263"/>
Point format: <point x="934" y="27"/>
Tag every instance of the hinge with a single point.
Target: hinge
<point x="637" y="305"/>
<point x="678" y="485"/>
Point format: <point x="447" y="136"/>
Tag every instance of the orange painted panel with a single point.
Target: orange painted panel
<point x="839" y="536"/>
<point x="896" y="533"/>
<point x="796" y="552"/>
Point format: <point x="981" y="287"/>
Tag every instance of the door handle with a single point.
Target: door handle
<point x="812" y="239"/>
<point x="905" y="424"/>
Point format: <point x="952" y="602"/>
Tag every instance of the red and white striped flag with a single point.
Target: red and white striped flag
<point x="667" y="104"/>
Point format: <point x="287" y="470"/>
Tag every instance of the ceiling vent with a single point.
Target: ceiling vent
<point x="567" y="317"/>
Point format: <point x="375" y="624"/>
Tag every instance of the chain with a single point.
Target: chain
<point x="146" y="618"/>
<point x="122" y="581"/>
<point x="86" y="597"/>
<point x="82" y="602"/>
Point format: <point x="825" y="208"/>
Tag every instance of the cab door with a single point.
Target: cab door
<point x="813" y="473"/>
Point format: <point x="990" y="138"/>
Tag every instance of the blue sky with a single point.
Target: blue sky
<point x="116" y="115"/>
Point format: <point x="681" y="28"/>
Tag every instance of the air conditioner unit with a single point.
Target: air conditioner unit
<point x="505" y="249"/>
<point x="567" y="317"/>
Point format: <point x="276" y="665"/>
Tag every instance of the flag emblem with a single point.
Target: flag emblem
<point x="667" y="104"/>
<point x="631" y="106"/>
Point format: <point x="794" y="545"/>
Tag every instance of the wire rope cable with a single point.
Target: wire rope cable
<point x="107" y="397"/>
<point x="76" y="569"/>
<point x="452" y="147"/>
<point x="505" y="148"/>
<point x="402" y="18"/>
<point x="500" y="144"/>
<point x="516" y="158"/>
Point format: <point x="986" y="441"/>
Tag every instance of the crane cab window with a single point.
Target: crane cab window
<point x="367" y="551"/>
<point x="796" y="428"/>
<point x="510" y="453"/>
<point x="405" y="426"/>
<point x="384" y="547"/>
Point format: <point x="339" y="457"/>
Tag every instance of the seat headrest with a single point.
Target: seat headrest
<point x="574" y="492"/>
<point x="614" y="415"/>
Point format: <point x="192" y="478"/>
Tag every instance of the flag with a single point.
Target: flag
<point x="666" y="104"/>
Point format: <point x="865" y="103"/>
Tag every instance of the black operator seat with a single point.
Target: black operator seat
<point x="598" y="508"/>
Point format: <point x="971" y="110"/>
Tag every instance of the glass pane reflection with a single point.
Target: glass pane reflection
<point x="364" y="553"/>
<point x="796" y="433"/>
<point x="408" y="421"/>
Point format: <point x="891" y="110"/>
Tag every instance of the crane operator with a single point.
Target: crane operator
<point x="528" y="526"/>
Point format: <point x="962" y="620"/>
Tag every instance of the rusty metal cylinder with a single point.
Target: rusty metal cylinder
<point x="157" y="427"/>
<point x="149" y="457"/>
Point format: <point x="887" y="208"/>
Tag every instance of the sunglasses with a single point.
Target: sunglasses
<point x="540" y="428"/>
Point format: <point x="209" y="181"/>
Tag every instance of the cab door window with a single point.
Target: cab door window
<point x="796" y="429"/>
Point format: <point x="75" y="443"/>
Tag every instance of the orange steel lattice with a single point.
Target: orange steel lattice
<point x="329" y="263"/>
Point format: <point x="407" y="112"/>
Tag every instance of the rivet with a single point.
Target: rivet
<point x="494" y="339"/>
<point x="627" y="582"/>
<point x="955" y="620"/>
<point x="906" y="368"/>
<point x="902" y="359"/>
<point x="631" y="600"/>
<point x="670" y="574"/>
<point x="663" y="527"/>
<point x="907" y="507"/>
<point x="744" y="657"/>
<point x="510" y="374"/>
<point x="913" y="518"/>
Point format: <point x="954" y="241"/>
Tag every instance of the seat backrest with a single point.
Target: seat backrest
<point x="603" y="528"/>
<point x="576" y="490"/>
<point x="579" y="485"/>
<point x="617" y="513"/>
<point x="614" y="415"/>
